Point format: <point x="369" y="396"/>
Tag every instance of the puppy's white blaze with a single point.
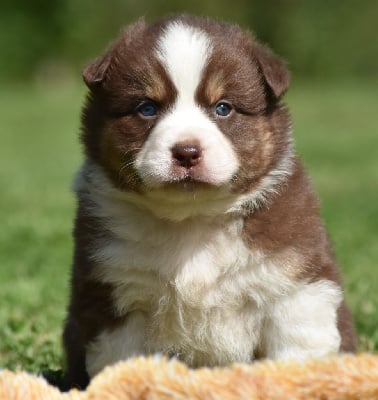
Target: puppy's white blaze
<point x="184" y="52"/>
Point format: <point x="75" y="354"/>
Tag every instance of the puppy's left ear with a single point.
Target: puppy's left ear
<point x="273" y="68"/>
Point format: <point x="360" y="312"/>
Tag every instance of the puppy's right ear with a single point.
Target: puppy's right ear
<point x="94" y="72"/>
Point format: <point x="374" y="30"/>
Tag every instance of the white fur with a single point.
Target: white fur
<point x="196" y="291"/>
<point x="184" y="51"/>
<point x="164" y="203"/>
<point x="186" y="123"/>
<point x="304" y="325"/>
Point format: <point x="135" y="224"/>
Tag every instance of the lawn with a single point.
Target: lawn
<point x="336" y="133"/>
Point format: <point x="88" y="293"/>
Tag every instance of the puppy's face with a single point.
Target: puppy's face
<point x="187" y="106"/>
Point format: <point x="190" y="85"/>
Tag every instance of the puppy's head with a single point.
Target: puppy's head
<point x="188" y="109"/>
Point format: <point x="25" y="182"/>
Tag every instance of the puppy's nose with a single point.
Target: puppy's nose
<point x="186" y="154"/>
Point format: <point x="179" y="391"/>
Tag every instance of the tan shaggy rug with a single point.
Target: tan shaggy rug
<point x="339" y="378"/>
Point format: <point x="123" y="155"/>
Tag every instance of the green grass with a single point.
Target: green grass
<point x="38" y="156"/>
<point x="336" y="133"/>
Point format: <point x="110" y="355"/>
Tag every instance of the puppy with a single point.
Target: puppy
<point x="197" y="232"/>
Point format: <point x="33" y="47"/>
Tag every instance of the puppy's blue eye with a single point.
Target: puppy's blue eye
<point x="148" y="109"/>
<point x="223" y="109"/>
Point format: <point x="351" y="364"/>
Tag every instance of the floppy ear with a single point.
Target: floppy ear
<point x="273" y="68"/>
<point x="94" y="72"/>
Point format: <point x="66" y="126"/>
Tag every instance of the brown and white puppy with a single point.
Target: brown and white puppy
<point x="197" y="233"/>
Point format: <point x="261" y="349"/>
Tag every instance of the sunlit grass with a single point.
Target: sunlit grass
<point x="336" y="134"/>
<point x="38" y="156"/>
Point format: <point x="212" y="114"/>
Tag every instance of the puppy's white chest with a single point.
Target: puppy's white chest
<point x="151" y="259"/>
<point x="216" y="335"/>
<point x="190" y="280"/>
<point x="194" y="290"/>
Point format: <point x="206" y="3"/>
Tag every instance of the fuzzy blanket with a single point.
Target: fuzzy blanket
<point x="339" y="378"/>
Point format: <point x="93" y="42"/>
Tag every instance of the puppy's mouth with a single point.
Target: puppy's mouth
<point x="188" y="183"/>
<point x="189" y="178"/>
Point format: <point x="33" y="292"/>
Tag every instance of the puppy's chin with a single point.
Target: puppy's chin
<point x="188" y="184"/>
<point x="189" y="191"/>
<point x="180" y="197"/>
<point x="187" y="181"/>
<point x="186" y="199"/>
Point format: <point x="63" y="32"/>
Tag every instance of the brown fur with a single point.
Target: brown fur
<point x="292" y="221"/>
<point x="90" y="308"/>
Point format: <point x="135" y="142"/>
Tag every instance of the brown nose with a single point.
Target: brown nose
<point x="186" y="154"/>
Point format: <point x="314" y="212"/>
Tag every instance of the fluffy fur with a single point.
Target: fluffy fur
<point x="197" y="233"/>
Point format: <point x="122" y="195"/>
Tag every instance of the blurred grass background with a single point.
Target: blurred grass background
<point x="332" y="52"/>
